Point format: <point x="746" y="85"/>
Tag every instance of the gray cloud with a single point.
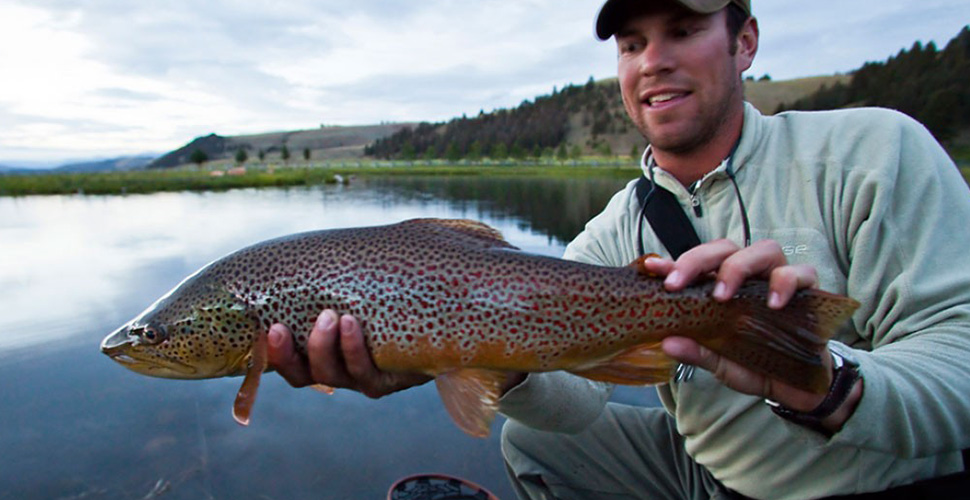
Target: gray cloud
<point x="468" y="90"/>
<point x="805" y="39"/>
<point x="246" y="66"/>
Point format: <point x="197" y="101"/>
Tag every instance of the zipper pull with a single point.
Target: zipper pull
<point x="695" y="203"/>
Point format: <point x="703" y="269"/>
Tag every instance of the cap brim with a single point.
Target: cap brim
<point x="613" y="13"/>
<point x="607" y="22"/>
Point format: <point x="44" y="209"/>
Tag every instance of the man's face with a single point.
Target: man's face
<point x="679" y="79"/>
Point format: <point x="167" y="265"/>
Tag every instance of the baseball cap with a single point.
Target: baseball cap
<point x="613" y="13"/>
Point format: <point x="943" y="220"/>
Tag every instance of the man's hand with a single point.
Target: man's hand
<point x="731" y="266"/>
<point x="336" y="357"/>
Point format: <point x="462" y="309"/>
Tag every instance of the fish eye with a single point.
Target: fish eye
<point x="149" y="333"/>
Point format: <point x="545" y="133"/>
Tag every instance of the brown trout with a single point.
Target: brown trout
<point x="452" y="299"/>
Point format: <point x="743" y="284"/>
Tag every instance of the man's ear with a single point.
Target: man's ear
<point x="747" y="44"/>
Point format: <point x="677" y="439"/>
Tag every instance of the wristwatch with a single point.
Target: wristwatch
<point x="845" y="373"/>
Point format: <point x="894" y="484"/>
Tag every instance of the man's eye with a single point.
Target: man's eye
<point x="628" y="47"/>
<point x="685" y="31"/>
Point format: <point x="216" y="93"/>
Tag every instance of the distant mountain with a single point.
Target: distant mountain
<point x="326" y="142"/>
<point x="7" y="170"/>
<point x="120" y="164"/>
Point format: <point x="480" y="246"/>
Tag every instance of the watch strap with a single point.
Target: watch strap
<point x="845" y="375"/>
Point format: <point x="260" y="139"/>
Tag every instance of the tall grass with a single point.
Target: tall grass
<point x="193" y="179"/>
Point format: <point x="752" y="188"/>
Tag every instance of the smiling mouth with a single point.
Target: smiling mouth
<point x="662" y="98"/>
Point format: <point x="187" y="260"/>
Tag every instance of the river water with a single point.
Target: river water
<point x="73" y="424"/>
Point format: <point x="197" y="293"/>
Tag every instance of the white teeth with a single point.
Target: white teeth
<point x="662" y="98"/>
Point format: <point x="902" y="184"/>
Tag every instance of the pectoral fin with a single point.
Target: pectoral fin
<point x="471" y="397"/>
<point x="641" y="268"/>
<point x="644" y="364"/>
<point x="243" y="406"/>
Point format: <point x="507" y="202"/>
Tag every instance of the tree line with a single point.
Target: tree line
<point x="533" y="129"/>
<point x="928" y="84"/>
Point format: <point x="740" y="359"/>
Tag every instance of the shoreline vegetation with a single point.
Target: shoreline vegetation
<point x="215" y="177"/>
<point x="219" y="176"/>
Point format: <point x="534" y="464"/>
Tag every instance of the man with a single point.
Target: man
<point x="862" y="203"/>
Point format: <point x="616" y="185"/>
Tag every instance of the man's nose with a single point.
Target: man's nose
<point x="657" y="58"/>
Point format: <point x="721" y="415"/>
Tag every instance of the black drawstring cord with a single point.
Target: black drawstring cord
<point x="643" y="210"/>
<point x="744" y="213"/>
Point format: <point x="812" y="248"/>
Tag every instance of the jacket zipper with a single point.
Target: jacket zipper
<point x="695" y="203"/>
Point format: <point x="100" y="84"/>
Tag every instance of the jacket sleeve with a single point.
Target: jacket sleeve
<point x="559" y="401"/>
<point x="905" y="234"/>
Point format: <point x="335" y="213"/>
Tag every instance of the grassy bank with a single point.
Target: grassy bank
<point x="194" y="179"/>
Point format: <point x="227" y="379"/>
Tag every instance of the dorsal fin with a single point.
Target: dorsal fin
<point x="473" y="228"/>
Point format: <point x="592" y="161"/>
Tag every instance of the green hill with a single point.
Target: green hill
<point x="324" y="143"/>
<point x="577" y="120"/>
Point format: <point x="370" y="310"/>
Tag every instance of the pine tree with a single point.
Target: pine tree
<point x="241" y="156"/>
<point x="198" y="157"/>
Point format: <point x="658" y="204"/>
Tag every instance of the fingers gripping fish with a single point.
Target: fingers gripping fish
<point x="454" y="300"/>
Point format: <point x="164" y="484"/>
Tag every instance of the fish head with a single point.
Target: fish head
<point x="197" y="331"/>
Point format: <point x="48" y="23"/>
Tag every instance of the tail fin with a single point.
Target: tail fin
<point x="783" y="344"/>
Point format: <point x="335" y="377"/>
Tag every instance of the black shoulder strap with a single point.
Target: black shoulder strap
<point x="666" y="217"/>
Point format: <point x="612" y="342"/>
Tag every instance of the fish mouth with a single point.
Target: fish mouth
<point x="127" y="351"/>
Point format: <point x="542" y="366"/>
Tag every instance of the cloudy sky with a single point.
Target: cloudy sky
<point x="100" y="78"/>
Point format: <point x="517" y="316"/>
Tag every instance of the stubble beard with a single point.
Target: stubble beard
<point x="705" y="127"/>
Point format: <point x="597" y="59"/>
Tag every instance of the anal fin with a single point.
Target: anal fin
<point x="246" y="397"/>
<point x="471" y="397"/>
<point x="644" y="364"/>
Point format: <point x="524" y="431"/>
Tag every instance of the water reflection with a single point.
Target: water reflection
<point x="557" y="208"/>
<point x="75" y="425"/>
